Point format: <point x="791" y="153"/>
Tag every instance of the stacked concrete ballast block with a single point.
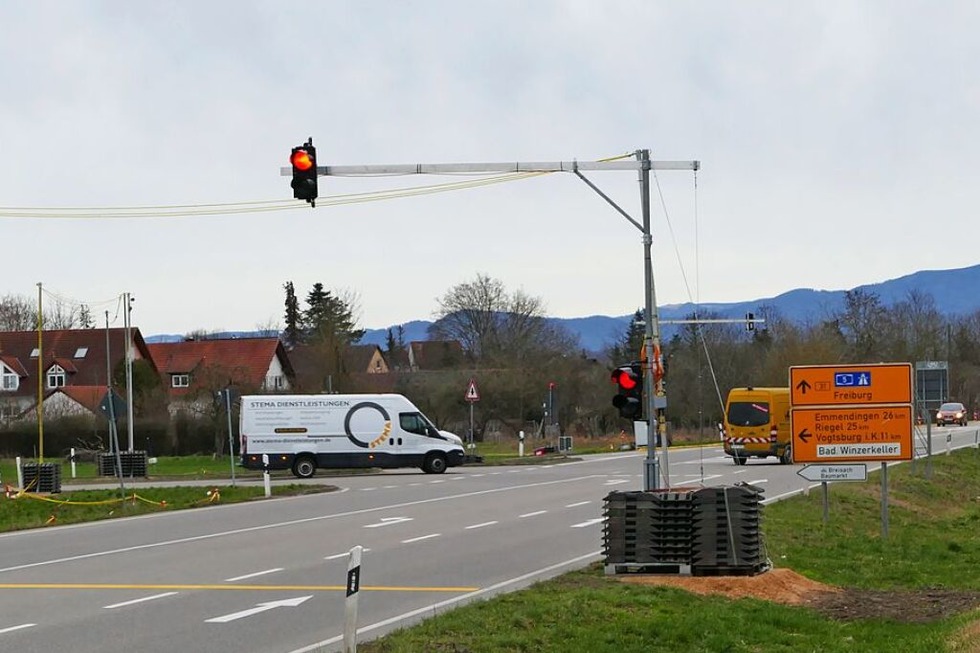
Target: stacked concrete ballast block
<point x="688" y="531"/>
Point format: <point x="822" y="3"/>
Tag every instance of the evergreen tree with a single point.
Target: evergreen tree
<point x="329" y="318"/>
<point x="291" y="335"/>
<point x="629" y="346"/>
<point x="85" y="320"/>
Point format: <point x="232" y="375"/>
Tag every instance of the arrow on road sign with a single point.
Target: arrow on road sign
<point x="261" y="607"/>
<point x="805" y="435"/>
<point x="803" y="386"/>
<point x="472" y="394"/>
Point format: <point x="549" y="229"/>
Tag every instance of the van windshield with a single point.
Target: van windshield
<point x="748" y="413"/>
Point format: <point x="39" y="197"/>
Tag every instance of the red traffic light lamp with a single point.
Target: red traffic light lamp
<point x="629" y="390"/>
<point x="303" y="160"/>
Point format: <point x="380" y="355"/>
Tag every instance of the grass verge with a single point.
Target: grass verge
<point x="932" y="542"/>
<point x="29" y="510"/>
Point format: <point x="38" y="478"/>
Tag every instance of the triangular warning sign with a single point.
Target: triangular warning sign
<point x="472" y="394"/>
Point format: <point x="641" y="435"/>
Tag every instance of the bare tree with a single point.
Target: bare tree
<point x="17" y="313"/>
<point x="495" y="326"/>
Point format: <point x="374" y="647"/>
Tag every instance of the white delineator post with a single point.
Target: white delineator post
<point x="266" y="479"/>
<point x="350" y="605"/>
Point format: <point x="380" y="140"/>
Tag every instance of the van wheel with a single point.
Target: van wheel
<point x="304" y="467"/>
<point x="435" y="463"/>
<point x="739" y="460"/>
<point x="787" y="457"/>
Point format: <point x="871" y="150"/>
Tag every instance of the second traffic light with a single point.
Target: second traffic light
<point x="629" y="390"/>
<point x="303" y="160"/>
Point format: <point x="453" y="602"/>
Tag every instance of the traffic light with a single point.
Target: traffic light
<point x="303" y="160"/>
<point x="629" y="390"/>
<point x="750" y="321"/>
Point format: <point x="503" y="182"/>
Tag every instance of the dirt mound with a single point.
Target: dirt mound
<point x="844" y="604"/>
<point x="777" y="585"/>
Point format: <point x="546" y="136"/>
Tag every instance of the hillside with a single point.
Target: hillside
<point x="801" y="305"/>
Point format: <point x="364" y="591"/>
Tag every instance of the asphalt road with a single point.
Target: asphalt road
<point x="270" y="576"/>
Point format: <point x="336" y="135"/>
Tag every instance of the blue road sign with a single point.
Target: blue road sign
<point x="852" y="379"/>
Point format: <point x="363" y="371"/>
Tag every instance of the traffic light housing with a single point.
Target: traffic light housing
<point x="303" y="160"/>
<point x="629" y="390"/>
<point x="750" y="321"/>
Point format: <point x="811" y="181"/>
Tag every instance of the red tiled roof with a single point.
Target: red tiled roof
<point x="61" y="346"/>
<point x="89" y="396"/>
<point x="248" y="359"/>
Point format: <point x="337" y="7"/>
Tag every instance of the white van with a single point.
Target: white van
<point x="304" y="432"/>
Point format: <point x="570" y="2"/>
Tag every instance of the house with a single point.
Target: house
<point x="435" y="355"/>
<point x="65" y="360"/>
<point x="74" y="400"/>
<point x="192" y="369"/>
<point x="314" y="364"/>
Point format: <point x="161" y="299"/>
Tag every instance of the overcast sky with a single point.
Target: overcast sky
<point x="838" y="144"/>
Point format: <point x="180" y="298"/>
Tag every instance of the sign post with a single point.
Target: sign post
<point x="472" y="396"/>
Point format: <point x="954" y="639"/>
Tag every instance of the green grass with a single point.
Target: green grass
<point x="932" y="542"/>
<point x="30" y="510"/>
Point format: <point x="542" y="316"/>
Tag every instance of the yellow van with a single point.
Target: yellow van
<point x="757" y="424"/>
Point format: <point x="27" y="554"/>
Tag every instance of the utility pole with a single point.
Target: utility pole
<point x="127" y="310"/>
<point x="656" y="400"/>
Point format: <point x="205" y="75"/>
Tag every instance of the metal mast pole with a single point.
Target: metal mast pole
<point x="40" y="385"/>
<point x="129" y="370"/>
<point x="653" y="387"/>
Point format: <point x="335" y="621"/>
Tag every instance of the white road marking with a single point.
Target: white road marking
<point x="261" y="607"/>
<point x="258" y="573"/>
<point x="13" y="628"/>
<point x="419" y="539"/>
<point x="135" y="601"/>
<point x="588" y="523"/>
<point x="345" y="554"/>
<point x="486" y="523"/>
<point x="438" y="608"/>
<point x="758" y="480"/>
<point x="580" y="503"/>
<point x="253" y="529"/>
<point x="388" y="521"/>
<point x="532" y="514"/>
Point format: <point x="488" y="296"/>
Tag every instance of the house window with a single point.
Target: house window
<point x="9" y="381"/>
<point x="56" y="376"/>
<point x="180" y="380"/>
<point x="35" y="352"/>
<point x="274" y="382"/>
<point x="80" y="352"/>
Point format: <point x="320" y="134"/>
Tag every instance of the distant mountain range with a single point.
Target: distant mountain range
<point x="952" y="290"/>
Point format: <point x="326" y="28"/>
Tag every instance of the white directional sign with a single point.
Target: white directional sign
<point x="826" y="473"/>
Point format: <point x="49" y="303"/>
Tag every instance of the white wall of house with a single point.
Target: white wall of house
<point x="275" y="377"/>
